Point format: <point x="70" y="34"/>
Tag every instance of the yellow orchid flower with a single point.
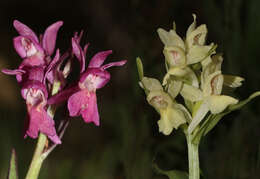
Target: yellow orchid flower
<point x="172" y="114"/>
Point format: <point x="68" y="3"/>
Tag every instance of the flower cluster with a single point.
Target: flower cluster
<point x="193" y="85"/>
<point x="42" y="74"/>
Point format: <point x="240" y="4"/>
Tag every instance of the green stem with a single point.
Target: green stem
<point x="193" y="154"/>
<point x="37" y="160"/>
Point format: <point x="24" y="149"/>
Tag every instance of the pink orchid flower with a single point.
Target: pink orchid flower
<point x="35" y="95"/>
<point x="82" y="97"/>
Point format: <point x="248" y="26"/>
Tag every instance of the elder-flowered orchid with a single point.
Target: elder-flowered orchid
<point x="35" y="95"/>
<point x="172" y="114"/>
<point x="82" y="97"/>
<point x="31" y="75"/>
<point x="35" y="51"/>
<point x="179" y="53"/>
<point x="209" y="98"/>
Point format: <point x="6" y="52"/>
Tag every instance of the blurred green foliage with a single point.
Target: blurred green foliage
<point x="127" y="142"/>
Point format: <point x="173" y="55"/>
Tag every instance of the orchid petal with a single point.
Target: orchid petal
<point x="119" y="63"/>
<point x="78" y="102"/>
<point x="39" y="120"/>
<point x="151" y="84"/>
<point x="174" y="88"/>
<point x="90" y="114"/>
<point x="99" y="59"/>
<point x="94" y="78"/>
<point x="24" y="30"/>
<point x="51" y="67"/>
<point x="36" y="85"/>
<point x="77" y="50"/>
<point x="233" y="81"/>
<point x="192" y="26"/>
<point x="197" y="53"/>
<point x="170" y="38"/>
<point x="49" y="37"/>
<point x="13" y="72"/>
<point x="175" y="56"/>
<point x="170" y="118"/>
<point x="218" y="103"/>
<point x="197" y="36"/>
<point x="191" y="93"/>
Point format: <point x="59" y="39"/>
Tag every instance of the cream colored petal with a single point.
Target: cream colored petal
<point x="197" y="36"/>
<point x="159" y="99"/>
<point x="174" y="88"/>
<point x="170" y="38"/>
<point x="164" y="36"/>
<point x="192" y="26"/>
<point x="170" y="118"/>
<point x="197" y="53"/>
<point x="184" y="110"/>
<point x="198" y="115"/>
<point x="175" y="56"/>
<point x="183" y="74"/>
<point x="191" y="93"/>
<point x="218" y="103"/>
<point x="207" y="85"/>
<point x="151" y="84"/>
<point x="233" y="81"/>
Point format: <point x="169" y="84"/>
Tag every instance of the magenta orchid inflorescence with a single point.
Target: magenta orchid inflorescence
<point x="40" y="70"/>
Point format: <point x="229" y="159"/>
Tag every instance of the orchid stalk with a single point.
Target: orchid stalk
<point x="191" y="95"/>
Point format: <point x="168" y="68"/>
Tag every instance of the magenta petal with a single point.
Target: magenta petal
<point x="119" y="63"/>
<point x="77" y="50"/>
<point x="17" y="72"/>
<point x="77" y="102"/>
<point x="49" y="37"/>
<point x="13" y="72"/>
<point x="51" y="67"/>
<point x="63" y="95"/>
<point x="37" y="85"/>
<point x="39" y="120"/>
<point x="96" y="77"/>
<point x="99" y="59"/>
<point x="35" y="73"/>
<point x="24" y="30"/>
<point x="17" y="41"/>
<point x="90" y="114"/>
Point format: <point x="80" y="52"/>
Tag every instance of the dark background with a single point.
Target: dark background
<point x="128" y="141"/>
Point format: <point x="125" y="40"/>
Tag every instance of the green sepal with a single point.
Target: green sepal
<point x="140" y="68"/>
<point x="12" y="171"/>
<point x="172" y="174"/>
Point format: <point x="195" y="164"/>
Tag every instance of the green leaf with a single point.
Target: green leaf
<point x="140" y="67"/>
<point x="12" y="172"/>
<point x="172" y="174"/>
<point x="244" y="102"/>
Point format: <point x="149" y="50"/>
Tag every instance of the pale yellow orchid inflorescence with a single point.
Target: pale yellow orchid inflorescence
<point x="194" y="73"/>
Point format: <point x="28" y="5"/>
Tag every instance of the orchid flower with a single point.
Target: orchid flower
<point x="31" y="75"/>
<point x="210" y="97"/>
<point x="179" y="53"/>
<point x="30" y="48"/>
<point x="35" y="94"/>
<point x="172" y="113"/>
<point x="82" y="97"/>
